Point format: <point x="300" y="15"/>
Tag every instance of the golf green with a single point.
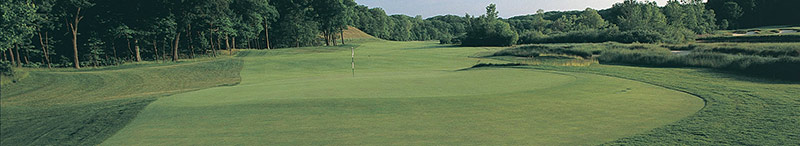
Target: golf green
<point x="403" y="93"/>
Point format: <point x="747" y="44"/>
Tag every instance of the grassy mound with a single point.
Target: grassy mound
<point x="355" y="33"/>
<point x="84" y="107"/>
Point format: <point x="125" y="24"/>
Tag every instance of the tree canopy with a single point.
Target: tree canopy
<point x="75" y="33"/>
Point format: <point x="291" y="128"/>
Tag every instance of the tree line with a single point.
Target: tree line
<point x="79" y="33"/>
<point x="628" y="21"/>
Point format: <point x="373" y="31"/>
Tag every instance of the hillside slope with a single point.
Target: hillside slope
<point x="86" y="107"/>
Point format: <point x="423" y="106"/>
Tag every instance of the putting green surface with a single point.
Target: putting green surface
<point x="403" y="93"/>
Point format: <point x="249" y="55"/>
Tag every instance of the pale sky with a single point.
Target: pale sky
<point x="507" y="8"/>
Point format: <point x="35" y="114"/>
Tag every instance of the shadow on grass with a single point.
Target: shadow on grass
<point x="433" y="47"/>
<point x="718" y="73"/>
<point x="89" y="124"/>
<point x="488" y="65"/>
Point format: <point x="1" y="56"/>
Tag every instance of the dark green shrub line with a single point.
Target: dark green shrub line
<point x="581" y="50"/>
<point x="753" y="38"/>
<point x="757" y="49"/>
<point x="612" y="35"/>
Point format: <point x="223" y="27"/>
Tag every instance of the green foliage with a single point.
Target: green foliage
<point x="754" y="13"/>
<point x="96" y="53"/>
<point x="487" y="30"/>
<point x="633" y="15"/>
<point x="6" y="69"/>
<point x="17" y="22"/>
<point x="691" y="15"/>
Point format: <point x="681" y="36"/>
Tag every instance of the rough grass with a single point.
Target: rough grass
<point x="755" y="49"/>
<point x="404" y="93"/>
<point x="84" y="107"/>
<point x="739" y="110"/>
<point x="352" y="33"/>
<point x="773" y="38"/>
<point x="769" y="60"/>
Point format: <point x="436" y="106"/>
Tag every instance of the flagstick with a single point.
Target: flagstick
<point x="353" y="60"/>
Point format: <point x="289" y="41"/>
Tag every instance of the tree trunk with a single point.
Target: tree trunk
<point x="74" y="29"/>
<point x="233" y="41"/>
<point x="19" y="61"/>
<point x="333" y="36"/>
<point x="327" y="38"/>
<point x="191" y="44"/>
<point x="219" y="43"/>
<point x="114" y="46"/>
<point x="47" y="41"/>
<point x="342" y="36"/>
<point x="138" y="51"/>
<point x="266" y="35"/>
<point x="228" y="45"/>
<point x="211" y="40"/>
<point x="11" y="52"/>
<point x="5" y="58"/>
<point x="27" y="53"/>
<point x="44" y="51"/>
<point x="75" y="49"/>
<point x="155" y="47"/>
<point x="130" y="53"/>
<point x="26" y="59"/>
<point x="175" y="49"/>
<point x="164" y="45"/>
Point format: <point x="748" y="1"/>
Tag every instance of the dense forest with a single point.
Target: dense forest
<point x="80" y="33"/>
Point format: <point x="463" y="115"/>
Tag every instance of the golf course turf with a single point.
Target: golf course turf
<point x="404" y="93"/>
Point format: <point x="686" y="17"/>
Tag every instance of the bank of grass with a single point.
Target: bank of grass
<point x="739" y="110"/>
<point x="84" y="107"/>
<point x="783" y="68"/>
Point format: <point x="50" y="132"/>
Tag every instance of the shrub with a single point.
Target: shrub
<point x="753" y="38"/>
<point x="517" y="53"/>
<point x="536" y="50"/>
<point x="638" y="57"/>
<point x="764" y="50"/>
<point x="670" y="35"/>
<point x="490" y="32"/>
<point x="6" y="68"/>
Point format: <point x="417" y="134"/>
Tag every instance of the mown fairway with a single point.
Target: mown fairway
<point x="404" y="93"/>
